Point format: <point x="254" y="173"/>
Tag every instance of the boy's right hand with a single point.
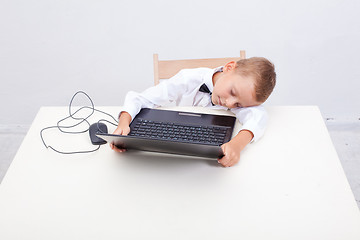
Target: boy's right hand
<point x="120" y="131"/>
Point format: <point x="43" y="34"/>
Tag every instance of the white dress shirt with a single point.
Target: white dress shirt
<point x="183" y="90"/>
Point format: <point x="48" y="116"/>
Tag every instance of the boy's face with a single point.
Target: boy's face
<point x="232" y="90"/>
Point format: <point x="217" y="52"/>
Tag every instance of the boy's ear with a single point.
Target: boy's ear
<point x="229" y="66"/>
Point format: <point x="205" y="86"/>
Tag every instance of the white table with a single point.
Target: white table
<point x="289" y="185"/>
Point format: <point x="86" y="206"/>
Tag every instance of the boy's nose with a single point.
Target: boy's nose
<point x="230" y="102"/>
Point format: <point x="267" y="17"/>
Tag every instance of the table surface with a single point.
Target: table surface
<point x="288" y="185"/>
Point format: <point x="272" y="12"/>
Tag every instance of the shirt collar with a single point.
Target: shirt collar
<point x="209" y="76"/>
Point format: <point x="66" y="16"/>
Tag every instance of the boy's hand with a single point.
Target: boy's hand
<point x="233" y="148"/>
<point x="122" y="129"/>
<point x="231" y="154"/>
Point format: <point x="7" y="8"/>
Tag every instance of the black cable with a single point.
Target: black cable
<point x="80" y="119"/>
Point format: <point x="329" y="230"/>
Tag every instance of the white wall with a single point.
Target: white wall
<point x="49" y="49"/>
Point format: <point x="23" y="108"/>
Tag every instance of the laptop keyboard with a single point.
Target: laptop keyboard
<point x="213" y="135"/>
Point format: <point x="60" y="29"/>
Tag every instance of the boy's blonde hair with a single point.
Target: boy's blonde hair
<point x="264" y="73"/>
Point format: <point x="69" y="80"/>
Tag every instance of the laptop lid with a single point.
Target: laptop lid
<point x="174" y="147"/>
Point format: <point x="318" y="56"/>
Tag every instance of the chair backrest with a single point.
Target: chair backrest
<point x="165" y="69"/>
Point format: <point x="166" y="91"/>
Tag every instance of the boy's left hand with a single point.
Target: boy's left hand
<point x="231" y="154"/>
<point x="233" y="148"/>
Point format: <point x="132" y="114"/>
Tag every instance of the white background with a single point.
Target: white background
<point x="49" y="49"/>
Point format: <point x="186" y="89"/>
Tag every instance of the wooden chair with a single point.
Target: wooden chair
<point x="165" y="69"/>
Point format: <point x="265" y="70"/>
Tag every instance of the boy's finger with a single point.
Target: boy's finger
<point x="118" y="131"/>
<point x="113" y="147"/>
<point x="223" y="161"/>
<point x="229" y="164"/>
<point x="119" y="150"/>
<point x="126" y="132"/>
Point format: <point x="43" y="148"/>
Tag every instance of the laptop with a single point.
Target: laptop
<point x="176" y="132"/>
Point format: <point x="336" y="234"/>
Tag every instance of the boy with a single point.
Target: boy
<point x="240" y="86"/>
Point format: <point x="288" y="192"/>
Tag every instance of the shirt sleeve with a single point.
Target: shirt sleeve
<point x="165" y="92"/>
<point x="253" y="119"/>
